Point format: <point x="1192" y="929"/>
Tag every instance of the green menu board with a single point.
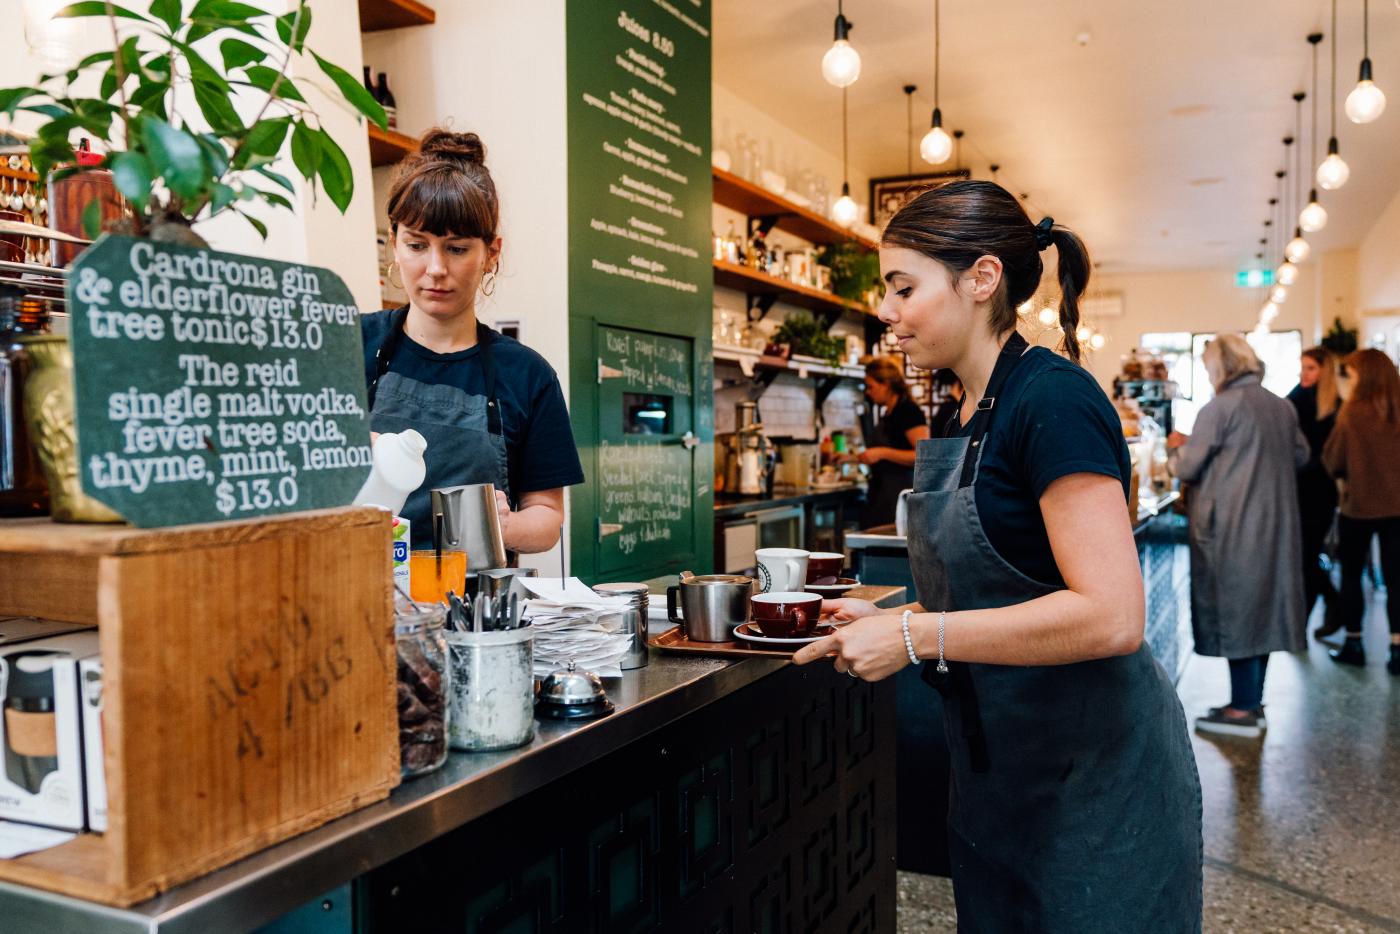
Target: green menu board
<point x="214" y="386"/>
<point x="640" y="284"/>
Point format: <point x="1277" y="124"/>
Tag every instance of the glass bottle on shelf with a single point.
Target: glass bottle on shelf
<point x="369" y="84"/>
<point x="386" y="100"/>
<point x="732" y="245"/>
<point x="758" y="247"/>
<point x="23" y="491"/>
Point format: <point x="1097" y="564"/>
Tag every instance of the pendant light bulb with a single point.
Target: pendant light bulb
<point x="1278" y="295"/>
<point x="937" y="146"/>
<point x="1268" y="314"/>
<point x="1049" y="316"/>
<point x="1286" y="274"/>
<point x="1097" y="341"/>
<point x="1084" y="333"/>
<point x="1313" y="217"/>
<point x="1366" y="102"/>
<point x="841" y="63"/>
<point x="1297" y="250"/>
<point x="1333" y="172"/>
<point x="844" y="211"/>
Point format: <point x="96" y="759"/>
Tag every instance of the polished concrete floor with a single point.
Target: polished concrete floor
<point x="1302" y="829"/>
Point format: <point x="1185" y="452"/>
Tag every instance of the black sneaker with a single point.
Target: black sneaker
<point x="1351" y="653"/>
<point x="1218" y="721"/>
<point x="1393" y="666"/>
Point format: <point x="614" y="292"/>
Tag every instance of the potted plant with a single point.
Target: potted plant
<point x="174" y="170"/>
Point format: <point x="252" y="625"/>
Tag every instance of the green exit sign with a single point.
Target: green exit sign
<point x="1254" y="278"/>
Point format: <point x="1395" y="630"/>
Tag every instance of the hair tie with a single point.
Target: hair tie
<point x="1043" y="234"/>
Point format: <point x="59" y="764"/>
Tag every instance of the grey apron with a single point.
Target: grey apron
<point x="1075" y="805"/>
<point x="465" y="441"/>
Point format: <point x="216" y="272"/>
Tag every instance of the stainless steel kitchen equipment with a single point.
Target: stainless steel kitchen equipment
<point x="710" y="606"/>
<point x="634" y="619"/>
<point x="469" y="522"/>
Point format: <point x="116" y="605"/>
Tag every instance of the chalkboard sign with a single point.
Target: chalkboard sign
<point x="214" y="386"/>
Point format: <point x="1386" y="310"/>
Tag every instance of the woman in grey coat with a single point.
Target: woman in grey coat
<point x="1246" y="538"/>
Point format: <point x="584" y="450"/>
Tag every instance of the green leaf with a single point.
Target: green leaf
<point x="263" y="77"/>
<point x="336" y="175"/>
<point x="144" y="96"/>
<point x="131" y="56"/>
<point x="282" y="180"/>
<point x="108" y="87"/>
<point x="271" y="197"/>
<point x="267" y="137"/>
<point x="175" y="156"/>
<point x="258" y="225"/>
<point x="168" y="12"/>
<point x="226" y="10"/>
<point x="284" y="26"/>
<point x="306" y="150"/>
<point x="201" y="71"/>
<point x="99" y="8"/>
<point x="45" y="153"/>
<point x="215" y="152"/>
<point x="93" y="59"/>
<point x="354" y="91"/>
<point x="92" y="219"/>
<point x="223" y="197"/>
<point x="238" y="53"/>
<point x="12" y="98"/>
<point x="132" y="173"/>
<point x="218" y="110"/>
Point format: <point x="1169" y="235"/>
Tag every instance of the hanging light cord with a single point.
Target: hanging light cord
<point x="1333" y="95"/>
<point x="1298" y="159"/>
<point x="909" y="129"/>
<point x="1365" y="28"/>
<point x="1313" y="150"/>
<point x="937" y="42"/>
<point x="845" y="166"/>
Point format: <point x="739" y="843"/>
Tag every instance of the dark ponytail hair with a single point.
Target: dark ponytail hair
<point x="958" y="223"/>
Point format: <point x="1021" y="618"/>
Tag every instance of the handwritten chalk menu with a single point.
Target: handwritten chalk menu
<point x="646" y="485"/>
<point x="214" y="386"/>
<point x="641" y="282"/>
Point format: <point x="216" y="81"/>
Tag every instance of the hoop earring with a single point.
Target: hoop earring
<point x="488" y="284"/>
<point x="389" y="275"/>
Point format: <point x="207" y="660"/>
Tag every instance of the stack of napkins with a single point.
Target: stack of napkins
<point x="574" y="624"/>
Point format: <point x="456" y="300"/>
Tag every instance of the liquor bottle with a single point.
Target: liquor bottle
<point x="758" y="248"/>
<point x="369" y="84"/>
<point x="386" y="100"/>
<point x="731" y="244"/>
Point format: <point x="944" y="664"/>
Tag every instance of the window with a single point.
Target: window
<point x="1280" y="352"/>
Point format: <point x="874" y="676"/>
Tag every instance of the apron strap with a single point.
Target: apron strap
<point x="1010" y="355"/>
<point x="390" y="346"/>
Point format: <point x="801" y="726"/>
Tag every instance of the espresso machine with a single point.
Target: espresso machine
<point x="749" y="456"/>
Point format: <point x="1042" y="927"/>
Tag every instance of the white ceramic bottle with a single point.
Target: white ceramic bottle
<point x="398" y="470"/>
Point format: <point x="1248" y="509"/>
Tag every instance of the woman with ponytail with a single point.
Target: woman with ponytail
<point x="1070" y="756"/>
<point x="491" y="408"/>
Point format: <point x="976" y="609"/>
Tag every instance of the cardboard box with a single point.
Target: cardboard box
<point x="14" y="629"/>
<point x="94" y="747"/>
<point x="41" y="731"/>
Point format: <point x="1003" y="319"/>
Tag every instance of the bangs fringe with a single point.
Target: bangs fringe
<point x="440" y="199"/>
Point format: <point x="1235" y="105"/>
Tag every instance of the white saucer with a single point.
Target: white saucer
<point x="832" y="591"/>
<point x="753" y="635"/>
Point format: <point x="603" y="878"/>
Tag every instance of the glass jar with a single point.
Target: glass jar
<point x="423" y="685"/>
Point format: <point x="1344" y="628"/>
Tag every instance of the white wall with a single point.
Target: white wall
<point x="1208" y="300"/>
<point x="1378" y="266"/>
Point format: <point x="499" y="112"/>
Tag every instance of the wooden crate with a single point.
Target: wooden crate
<point x="249" y="685"/>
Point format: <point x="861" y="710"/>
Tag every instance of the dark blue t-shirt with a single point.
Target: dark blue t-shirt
<point x="1052" y="420"/>
<point x="540" y="450"/>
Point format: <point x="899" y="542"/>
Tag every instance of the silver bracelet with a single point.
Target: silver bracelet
<point x="942" y="665"/>
<point x="908" y="642"/>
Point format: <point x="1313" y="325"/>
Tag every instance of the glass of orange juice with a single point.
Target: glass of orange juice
<point x="432" y="576"/>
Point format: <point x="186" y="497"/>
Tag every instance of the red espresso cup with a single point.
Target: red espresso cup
<point x="786" y="615"/>
<point x="824" y="564"/>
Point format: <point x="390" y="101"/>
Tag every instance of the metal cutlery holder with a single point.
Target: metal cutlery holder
<point x="491" y="704"/>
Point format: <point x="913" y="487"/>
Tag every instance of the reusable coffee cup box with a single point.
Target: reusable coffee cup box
<point x="399" y="541"/>
<point x="94" y="743"/>
<point x="41" y="731"/>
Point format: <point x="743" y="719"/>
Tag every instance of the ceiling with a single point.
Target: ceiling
<point x="1157" y="140"/>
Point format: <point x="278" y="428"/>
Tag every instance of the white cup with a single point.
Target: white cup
<point x="781" y="569"/>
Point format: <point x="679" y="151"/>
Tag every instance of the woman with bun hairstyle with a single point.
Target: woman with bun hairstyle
<point x="1075" y="804"/>
<point x="490" y="408"/>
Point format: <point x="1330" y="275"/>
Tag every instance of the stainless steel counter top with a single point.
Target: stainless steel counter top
<point x="270" y="883"/>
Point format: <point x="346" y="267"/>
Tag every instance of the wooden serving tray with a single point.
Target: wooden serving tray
<point x="675" y="639"/>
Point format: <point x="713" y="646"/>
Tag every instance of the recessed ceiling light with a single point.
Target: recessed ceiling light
<point x="1083" y="38"/>
<point x="1190" y="110"/>
<point x="1202" y="182"/>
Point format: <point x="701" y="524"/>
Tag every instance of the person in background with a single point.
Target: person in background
<point x="946" y="381"/>
<point x="1364" y="453"/>
<point x="1245" y="532"/>
<point x="490" y="408"/>
<point x="1315" y="400"/>
<point x="889" y="449"/>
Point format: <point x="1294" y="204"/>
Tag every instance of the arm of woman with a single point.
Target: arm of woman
<point x="1100" y="614"/>
<point x="895" y="455"/>
<point x="1334" y="452"/>
<point x="534" y="527"/>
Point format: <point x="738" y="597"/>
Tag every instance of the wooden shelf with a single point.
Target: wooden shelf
<point x="376" y="15"/>
<point x="753" y="282"/>
<point x="389" y="147"/>
<point x="740" y="194"/>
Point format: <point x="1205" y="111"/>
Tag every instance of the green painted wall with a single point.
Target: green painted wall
<point x="640" y="283"/>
